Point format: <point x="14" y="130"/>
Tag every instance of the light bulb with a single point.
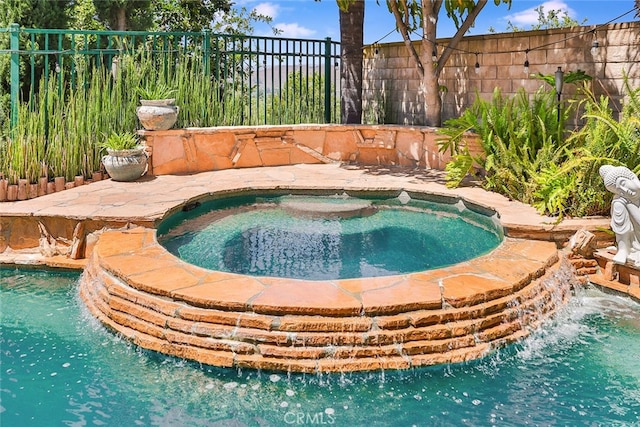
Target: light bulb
<point x="526" y="67"/>
<point x="477" y="67"/>
<point x="594" y="47"/>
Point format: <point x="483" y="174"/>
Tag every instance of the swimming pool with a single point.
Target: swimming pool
<point x="61" y="367"/>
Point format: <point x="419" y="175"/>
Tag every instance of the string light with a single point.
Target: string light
<point x="594" y="45"/>
<point x="477" y="64"/>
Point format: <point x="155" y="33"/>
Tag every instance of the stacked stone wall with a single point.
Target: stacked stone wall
<point x="193" y="150"/>
<point x="449" y="315"/>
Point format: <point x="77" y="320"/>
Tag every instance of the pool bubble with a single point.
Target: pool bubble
<point x="274" y="378"/>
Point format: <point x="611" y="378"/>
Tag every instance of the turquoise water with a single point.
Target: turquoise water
<point x="262" y="238"/>
<point x="60" y="367"/>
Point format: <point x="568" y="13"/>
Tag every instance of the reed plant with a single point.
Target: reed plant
<point x="199" y="96"/>
<point x="22" y="150"/>
<point x="60" y="128"/>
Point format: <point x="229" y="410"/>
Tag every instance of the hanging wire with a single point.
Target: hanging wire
<point x="593" y="30"/>
<point x="383" y="37"/>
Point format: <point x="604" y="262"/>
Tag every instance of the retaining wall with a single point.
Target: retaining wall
<point x="192" y="150"/>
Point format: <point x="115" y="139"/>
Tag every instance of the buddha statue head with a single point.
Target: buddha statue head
<point x="620" y="180"/>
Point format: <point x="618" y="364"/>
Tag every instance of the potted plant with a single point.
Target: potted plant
<point x="125" y="159"/>
<point x="157" y="110"/>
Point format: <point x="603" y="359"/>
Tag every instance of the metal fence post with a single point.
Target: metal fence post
<point x="327" y="80"/>
<point x="14" y="33"/>
<point x="206" y="50"/>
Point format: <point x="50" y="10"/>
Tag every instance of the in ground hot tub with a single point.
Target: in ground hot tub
<point x="349" y="284"/>
<point x="328" y="237"/>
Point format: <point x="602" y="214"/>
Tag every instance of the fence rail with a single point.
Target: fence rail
<point x="272" y="80"/>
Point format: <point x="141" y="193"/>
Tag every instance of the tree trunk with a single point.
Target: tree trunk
<point x="121" y="19"/>
<point x="430" y="85"/>
<point x="428" y="68"/>
<point x="351" y="39"/>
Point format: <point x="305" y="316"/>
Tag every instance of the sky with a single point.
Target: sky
<point x="309" y="19"/>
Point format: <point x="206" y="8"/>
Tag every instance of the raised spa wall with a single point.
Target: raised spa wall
<point x="448" y="315"/>
<point x="192" y="150"/>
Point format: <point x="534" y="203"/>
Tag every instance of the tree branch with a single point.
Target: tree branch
<point x="466" y="24"/>
<point x="404" y="31"/>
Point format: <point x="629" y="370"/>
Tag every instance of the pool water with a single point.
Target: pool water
<point x="263" y="238"/>
<point x="59" y="366"/>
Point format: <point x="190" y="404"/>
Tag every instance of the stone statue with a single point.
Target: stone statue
<point x="625" y="211"/>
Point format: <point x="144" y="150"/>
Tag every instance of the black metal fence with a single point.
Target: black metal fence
<point x="272" y="80"/>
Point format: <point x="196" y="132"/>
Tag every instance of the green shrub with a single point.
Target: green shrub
<point x="528" y="156"/>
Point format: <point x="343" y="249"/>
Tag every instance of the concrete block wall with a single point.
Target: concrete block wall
<point x="392" y="86"/>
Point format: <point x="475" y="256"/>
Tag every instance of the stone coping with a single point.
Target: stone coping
<point x="622" y="279"/>
<point x="135" y="256"/>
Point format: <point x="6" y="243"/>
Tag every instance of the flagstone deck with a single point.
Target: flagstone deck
<point x="147" y="201"/>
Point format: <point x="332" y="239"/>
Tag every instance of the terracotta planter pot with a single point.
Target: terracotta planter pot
<point x="125" y="165"/>
<point x="42" y="186"/>
<point x="3" y="189"/>
<point x="22" y="189"/>
<point x="474" y="145"/>
<point x="12" y="192"/>
<point x="59" y="182"/>
<point x="33" y="191"/>
<point x="158" y="114"/>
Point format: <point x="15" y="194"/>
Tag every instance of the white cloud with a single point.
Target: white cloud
<point x="530" y="16"/>
<point x="294" y="30"/>
<point x="267" y="9"/>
